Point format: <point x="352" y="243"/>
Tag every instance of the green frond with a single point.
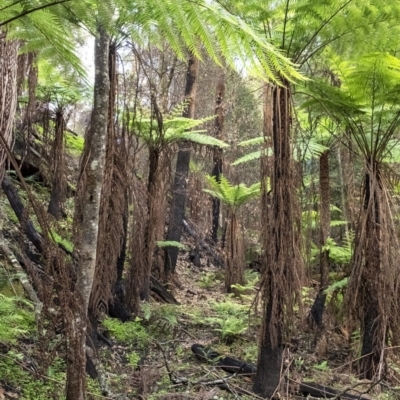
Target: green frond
<point x="255" y="155"/>
<point x="206" y="140"/>
<point x="232" y="195"/>
<point x="310" y="149"/>
<point x="253" y="141"/>
<point x="43" y="33"/>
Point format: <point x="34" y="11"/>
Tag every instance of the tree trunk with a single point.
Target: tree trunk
<point x="59" y="184"/>
<point x="217" y="156"/>
<point x="235" y="259"/>
<point x="181" y="173"/>
<point x="317" y="309"/>
<point x="282" y="259"/>
<point x="112" y="204"/>
<point x="374" y="323"/>
<point x="86" y="221"/>
<point x="8" y="91"/>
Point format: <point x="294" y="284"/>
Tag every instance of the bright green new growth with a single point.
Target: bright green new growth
<point x="15" y="320"/>
<point x="232" y="195"/>
<point x="308" y="149"/>
<point x="173" y="128"/>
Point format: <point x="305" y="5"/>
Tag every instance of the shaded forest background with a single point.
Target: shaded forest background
<point x="223" y="197"/>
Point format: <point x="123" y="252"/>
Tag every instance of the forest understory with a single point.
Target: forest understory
<point x="152" y="356"/>
<point x="199" y="199"/>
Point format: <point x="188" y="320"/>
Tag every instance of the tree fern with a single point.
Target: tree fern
<point x="172" y="129"/>
<point x="232" y="195"/>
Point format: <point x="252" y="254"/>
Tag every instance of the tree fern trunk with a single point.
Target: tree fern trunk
<point x="234" y="259"/>
<point x="282" y="260"/>
<point x="217" y="156"/>
<point x="317" y="309"/>
<point x="8" y="91"/>
<point x="374" y="323"/>
<point x="59" y="184"/>
<point x="181" y="173"/>
<point x="86" y="222"/>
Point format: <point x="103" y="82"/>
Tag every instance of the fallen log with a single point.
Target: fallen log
<point x="238" y="367"/>
<point x="228" y="364"/>
<point x="161" y="291"/>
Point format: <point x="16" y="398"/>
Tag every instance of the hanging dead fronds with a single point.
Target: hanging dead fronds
<point x="8" y="91"/>
<point x="282" y="261"/>
<point x="373" y="292"/>
<point x="113" y="203"/>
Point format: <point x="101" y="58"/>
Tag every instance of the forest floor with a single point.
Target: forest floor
<point x="151" y="357"/>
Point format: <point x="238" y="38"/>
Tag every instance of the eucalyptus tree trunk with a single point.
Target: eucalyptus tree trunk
<point x="181" y="173"/>
<point x="282" y="259"/>
<point x="86" y="221"/>
<point x="217" y="154"/>
<point x="8" y="91"/>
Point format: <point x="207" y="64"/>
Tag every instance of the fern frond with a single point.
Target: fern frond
<point x="232" y="195"/>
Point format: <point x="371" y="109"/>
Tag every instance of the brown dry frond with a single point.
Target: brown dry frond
<point x="8" y="92"/>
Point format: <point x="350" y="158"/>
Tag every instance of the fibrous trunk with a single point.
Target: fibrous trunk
<point x="112" y="206"/>
<point x="8" y="91"/>
<point x="217" y="156"/>
<point x="317" y="309"/>
<point x="58" y="188"/>
<point x="181" y="173"/>
<point x="86" y="221"/>
<point x="282" y="260"/>
<point x="374" y="320"/>
<point x="234" y="259"/>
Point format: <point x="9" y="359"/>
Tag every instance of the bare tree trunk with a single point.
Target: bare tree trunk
<point x="86" y="220"/>
<point x="217" y="156"/>
<point x="8" y="91"/>
<point x="181" y="173"/>
<point x="282" y="265"/>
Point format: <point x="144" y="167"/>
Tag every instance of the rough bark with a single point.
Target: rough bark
<point x="181" y="173"/>
<point x="374" y="321"/>
<point x="8" y="91"/>
<point x="113" y="209"/>
<point x="317" y="309"/>
<point x="59" y="184"/>
<point x="234" y="259"/>
<point x="282" y="259"/>
<point x="217" y="154"/>
<point x="87" y="220"/>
